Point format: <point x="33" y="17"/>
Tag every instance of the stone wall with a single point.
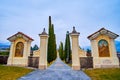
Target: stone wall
<point x="118" y="55"/>
<point x="3" y="59"/>
<point x="86" y="62"/>
<point x="119" y="60"/>
<point x="33" y="62"/>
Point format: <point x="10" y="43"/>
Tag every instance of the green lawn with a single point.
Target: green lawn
<point x="12" y="73"/>
<point x="104" y="74"/>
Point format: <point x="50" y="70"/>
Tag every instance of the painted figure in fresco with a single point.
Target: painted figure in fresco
<point x="103" y="48"/>
<point x="19" y="49"/>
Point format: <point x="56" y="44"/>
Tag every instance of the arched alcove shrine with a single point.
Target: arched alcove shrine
<point x="19" y="50"/>
<point x="103" y="49"/>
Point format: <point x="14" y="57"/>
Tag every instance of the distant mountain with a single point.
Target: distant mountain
<point x="4" y="45"/>
<point x="117" y="44"/>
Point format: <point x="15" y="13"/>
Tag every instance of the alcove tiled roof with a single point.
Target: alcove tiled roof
<point x="103" y="31"/>
<point x="19" y="34"/>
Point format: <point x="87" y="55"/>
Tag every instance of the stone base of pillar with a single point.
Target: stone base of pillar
<point x="9" y="61"/>
<point x="107" y="66"/>
<point x="19" y="65"/>
<point x="97" y="66"/>
<point x="42" y="67"/>
<point x="109" y="62"/>
<point x="17" y="62"/>
<point x="76" y="67"/>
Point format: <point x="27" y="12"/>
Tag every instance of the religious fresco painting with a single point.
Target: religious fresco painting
<point x="103" y="48"/>
<point x="19" y="49"/>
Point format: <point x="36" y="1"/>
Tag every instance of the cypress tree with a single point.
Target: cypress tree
<point x="55" y="50"/>
<point x="59" y="50"/>
<point x="67" y="54"/>
<point x="61" y="53"/>
<point x="54" y="43"/>
<point x="69" y="47"/>
<point x="51" y="43"/>
<point x="49" y="59"/>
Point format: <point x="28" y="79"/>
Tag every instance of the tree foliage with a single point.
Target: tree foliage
<point x="35" y="47"/>
<point x="4" y="53"/>
<point x="88" y="52"/>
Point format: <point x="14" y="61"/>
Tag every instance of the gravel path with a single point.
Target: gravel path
<point x="57" y="71"/>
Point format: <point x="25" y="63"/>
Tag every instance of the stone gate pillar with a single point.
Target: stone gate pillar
<point x="43" y="50"/>
<point x="75" y="47"/>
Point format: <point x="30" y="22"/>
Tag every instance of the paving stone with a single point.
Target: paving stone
<point x="57" y="71"/>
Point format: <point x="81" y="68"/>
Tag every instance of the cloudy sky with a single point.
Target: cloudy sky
<point x="31" y="16"/>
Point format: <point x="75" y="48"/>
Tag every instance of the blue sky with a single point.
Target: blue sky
<point x="31" y="16"/>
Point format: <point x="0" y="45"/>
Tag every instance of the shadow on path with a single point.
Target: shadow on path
<point x="57" y="71"/>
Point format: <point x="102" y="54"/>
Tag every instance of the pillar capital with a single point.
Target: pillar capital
<point x="74" y="32"/>
<point x="43" y="33"/>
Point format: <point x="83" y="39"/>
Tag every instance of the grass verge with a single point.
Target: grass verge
<point x="104" y="74"/>
<point x="12" y="73"/>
